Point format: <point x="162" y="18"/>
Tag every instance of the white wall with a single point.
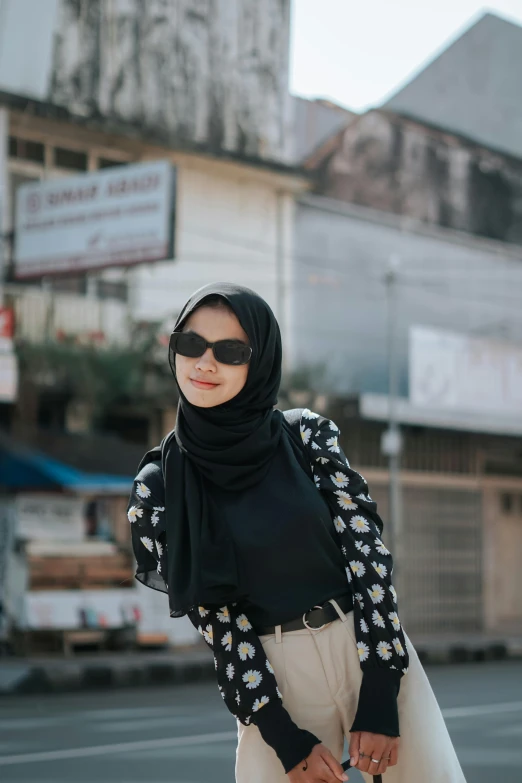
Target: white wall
<point x="227" y="229"/>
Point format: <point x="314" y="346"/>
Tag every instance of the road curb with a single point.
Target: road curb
<point x="19" y="676"/>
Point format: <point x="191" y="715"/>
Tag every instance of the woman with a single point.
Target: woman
<point x="259" y="530"/>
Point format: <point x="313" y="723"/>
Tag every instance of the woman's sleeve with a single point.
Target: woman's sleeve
<point x="247" y="682"/>
<point x="380" y="639"/>
<point x="146" y="514"/>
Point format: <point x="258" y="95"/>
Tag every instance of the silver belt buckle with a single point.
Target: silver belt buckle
<point x="305" y="621"/>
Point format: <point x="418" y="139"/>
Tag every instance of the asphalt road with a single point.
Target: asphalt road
<point x="185" y="734"/>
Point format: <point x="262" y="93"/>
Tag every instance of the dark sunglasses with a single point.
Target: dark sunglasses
<point x="225" y="351"/>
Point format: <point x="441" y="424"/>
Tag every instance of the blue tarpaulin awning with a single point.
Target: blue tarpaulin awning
<point x="24" y="468"/>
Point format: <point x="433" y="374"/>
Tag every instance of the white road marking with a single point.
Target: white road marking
<point x="120" y="747"/>
<point x="482" y="709"/>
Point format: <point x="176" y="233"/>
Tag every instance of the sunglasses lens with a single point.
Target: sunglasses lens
<point x="232" y="352"/>
<point x="187" y="344"/>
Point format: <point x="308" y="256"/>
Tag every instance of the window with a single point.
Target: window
<point x="506" y="502"/>
<point x="70" y="159"/>
<point x="26" y="150"/>
<point x="112" y="289"/>
<point x="107" y="163"/>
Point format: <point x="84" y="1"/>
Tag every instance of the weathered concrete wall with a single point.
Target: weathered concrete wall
<point x="212" y="73"/>
<point x="397" y="165"/>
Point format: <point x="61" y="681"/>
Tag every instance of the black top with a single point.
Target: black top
<point x="246" y="679"/>
<point x="285" y="543"/>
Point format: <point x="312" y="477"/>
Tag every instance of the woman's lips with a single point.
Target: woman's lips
<point x="203" y="384"/>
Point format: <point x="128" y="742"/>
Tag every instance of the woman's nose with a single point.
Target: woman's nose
<point x="207" y="361"/>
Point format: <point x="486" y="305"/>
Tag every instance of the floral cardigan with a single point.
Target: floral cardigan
<point x="245" y="677"/>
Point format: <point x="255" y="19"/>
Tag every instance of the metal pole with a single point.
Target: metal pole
<point x="392" y="441"/>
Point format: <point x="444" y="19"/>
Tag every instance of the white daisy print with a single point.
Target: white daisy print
<point x="238" y="697"/>
<point x="340" y="479"/>
<point x="308" y="414"/>
<point x="381" y="549"/>
<point x="333" y="444"/>
<point x="245" y="650"/>
<point x="364" y="548"/>
<point x="315" y="446"/>
<point x="306" y="433"/>
<point x="242" y="623"/>
<point x="394" y="617"/>
<point x="159" y="548"/>
<point x="343" y="550"/>
<point x="252" y="678"/>
<point x="364" y="626"/>
<point x="317" y="481"/>
<point x="357" y="567"/>
<point x="376" y="594"/>
<point x="359" y="599"/>
<point x="154" y="518"/>
<point x="399" y="649"/>
<point x="202" y="611"/>
<point x="279" y="693"/>
<point x="380" y="568"/>
<point x="158" y="568"/>
<point x="215" y="663"/>
<point x="345" y="500"/>
<point x="322" y="460"/>
<point x="384" y="650"/>
<point x="339" y="524"/>
<point x="147" y="543"/>
<point x="405" y="671"/>
<point x="362" y="496"/>
<point x="223" y="615"/>
<point x="363" y="650"/>
<point x="260" y="703"/>
<point x="378" y="619"/>
<point x="208" y="635"/>
<point x="230" y="670"/>
<point x="269" y="666"/>
<point x="142" y="490"/>
<point x="226" y="641"/>
<point x="134" y="513"/>
<point x="359" y="524"/>
<point x="348" y="573"/>
<point x="393" y="591"/>
<point x="159" y="508"/>
<point x="333" y="426"/>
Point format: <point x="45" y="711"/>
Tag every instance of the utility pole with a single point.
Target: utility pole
<point x="391" y="443"/>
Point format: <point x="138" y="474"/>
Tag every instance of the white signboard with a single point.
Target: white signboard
<point x="8" y="377"/>
<point x="458" y="372"/>
<point x="140" y="606"/>
<point x="67" y="609"/>
<point x="50" y="517"/>
<point x="115" y="217"/>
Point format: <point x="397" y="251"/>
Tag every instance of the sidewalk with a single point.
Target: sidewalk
<point x="137" y="669"/>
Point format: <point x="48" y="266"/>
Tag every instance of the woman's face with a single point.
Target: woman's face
<point x="204" y="381"/>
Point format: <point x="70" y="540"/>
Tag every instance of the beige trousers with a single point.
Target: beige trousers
<point x="319" y="676"/>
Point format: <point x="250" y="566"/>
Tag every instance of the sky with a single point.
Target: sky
<point x="358" y="53"/>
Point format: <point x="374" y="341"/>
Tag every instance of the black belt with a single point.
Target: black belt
<point x="314" y="619"/>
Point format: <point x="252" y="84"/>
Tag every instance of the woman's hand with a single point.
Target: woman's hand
<point x="319" y="766"/>
<point x="365" y="746"/>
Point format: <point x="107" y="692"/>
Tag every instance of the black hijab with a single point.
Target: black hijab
<point x="229" y="446"/>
